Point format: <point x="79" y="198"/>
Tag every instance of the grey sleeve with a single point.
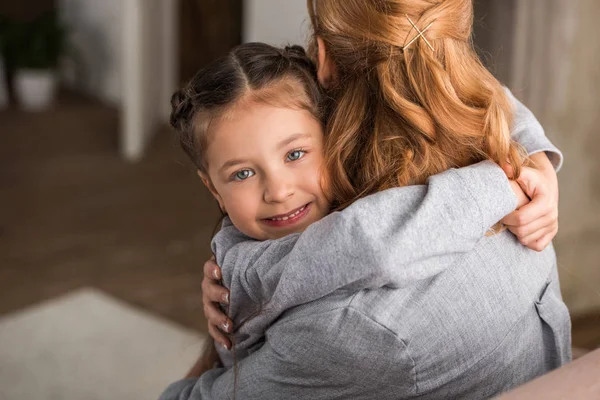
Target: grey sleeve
<point x="391" y="238"/>
<point x="529" y="133"/>
<point x="316" y="364"/>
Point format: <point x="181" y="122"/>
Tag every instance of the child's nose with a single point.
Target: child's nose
<point x="278" y="190"/>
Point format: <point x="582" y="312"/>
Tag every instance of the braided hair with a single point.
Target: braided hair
<point x="250" y="72"/>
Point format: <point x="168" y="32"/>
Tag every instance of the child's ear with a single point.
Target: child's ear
<point x="208" y="183"/>
<point x="325" y="66"/>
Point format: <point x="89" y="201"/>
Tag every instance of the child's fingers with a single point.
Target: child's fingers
<point x="532" y="241"/>
<point x="522" y="231"/>
<point x="545" y="241"/>
<point x="537" y="208"/>
<point x="218" y="336"/>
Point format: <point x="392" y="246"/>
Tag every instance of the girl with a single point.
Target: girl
<point x="249" y="122"/>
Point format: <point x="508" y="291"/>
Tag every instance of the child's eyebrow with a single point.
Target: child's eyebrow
<point x="292" y="138"/>
<point x="231" y="163"/>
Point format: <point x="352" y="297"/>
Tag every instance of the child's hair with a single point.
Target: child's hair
<point x="252" y="72"/>
<point x="404" y="114"/>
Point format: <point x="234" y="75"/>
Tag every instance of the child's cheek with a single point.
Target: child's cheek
<point x="242" y="204"/>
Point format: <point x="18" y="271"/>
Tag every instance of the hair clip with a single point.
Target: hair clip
<point x="420" y="35"/>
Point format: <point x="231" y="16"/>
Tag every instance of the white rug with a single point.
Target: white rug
<point x="87" y="345"/>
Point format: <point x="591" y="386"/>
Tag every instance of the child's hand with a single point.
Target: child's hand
<point x="213" y="294"/>
<point x="536" y="223"/>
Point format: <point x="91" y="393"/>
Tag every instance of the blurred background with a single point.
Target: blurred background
<point x="104" y="225"/>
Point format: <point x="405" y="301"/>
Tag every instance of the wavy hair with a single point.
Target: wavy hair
<point x="402" y="114"/>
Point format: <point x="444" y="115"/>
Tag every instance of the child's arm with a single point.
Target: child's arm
<point x="391" y="238"/>
<point x="529" y="133"/>
<point x="536" y="224"/>
<point x="405" y="214"/>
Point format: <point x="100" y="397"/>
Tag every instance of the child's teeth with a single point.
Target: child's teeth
<point x="289" y="216"/>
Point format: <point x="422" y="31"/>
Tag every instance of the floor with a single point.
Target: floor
<point x="135" y="354"/>
<point x="74" y="214"/>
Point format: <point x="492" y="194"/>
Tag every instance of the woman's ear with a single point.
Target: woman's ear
<point x="325" y="67"/>
<point x="208" y="183"/>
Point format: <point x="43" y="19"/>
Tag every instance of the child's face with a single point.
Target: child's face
<point x="265" y="167"/>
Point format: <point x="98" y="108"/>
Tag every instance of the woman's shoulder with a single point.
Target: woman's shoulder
<point x="453" y="334"/>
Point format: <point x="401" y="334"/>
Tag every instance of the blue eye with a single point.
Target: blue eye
<point x="295" y="155"/>
<point x="243" y="175"/>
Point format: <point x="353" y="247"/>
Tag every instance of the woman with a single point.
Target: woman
<point x="493" y="320"/>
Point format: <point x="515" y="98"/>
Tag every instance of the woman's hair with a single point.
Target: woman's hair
<point x="402" y="114"/>
<point x="251" y="72"/>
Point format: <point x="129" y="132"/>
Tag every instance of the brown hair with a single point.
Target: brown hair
<point x="250" y="72"/>
<point x="402" y="115"/>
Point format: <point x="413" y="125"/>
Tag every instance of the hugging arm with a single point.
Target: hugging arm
<point x="529" y="133"/>
<point x="391" y="238"/>
<point x="534" y="224"/>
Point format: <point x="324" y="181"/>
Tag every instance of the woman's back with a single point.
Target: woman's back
<point x="490" y="322"/>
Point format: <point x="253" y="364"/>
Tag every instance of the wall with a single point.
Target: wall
<point x="277" y="22"/>
<point x="207" y="30"/>
<point x="96" y="28"/>
<point x="556" y="74"/>
<point x="493" y="35"/>
<point x="148" y="71"/>
<point x="125" y="54"/>
<point x="574" y="120"/>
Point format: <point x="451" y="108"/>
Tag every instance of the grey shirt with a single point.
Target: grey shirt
<point x="398" y="296"/>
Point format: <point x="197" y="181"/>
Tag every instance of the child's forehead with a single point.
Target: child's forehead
<point x="261" y="123"/>
<point x="257" y="107"/>
<point x="256" y="118"/>
<point x="284" y="93"/>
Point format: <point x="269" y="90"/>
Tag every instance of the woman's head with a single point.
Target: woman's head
<point x="252" y="124"/>
<point x="405" y="112"/>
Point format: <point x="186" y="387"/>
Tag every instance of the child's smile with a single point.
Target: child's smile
<point x="288" y="219"/>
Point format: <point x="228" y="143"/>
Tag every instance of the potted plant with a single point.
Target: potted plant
<point x="3" y="85"/>
<point x="34" y="49"/>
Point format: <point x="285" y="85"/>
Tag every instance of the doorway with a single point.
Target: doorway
<point x="207" y="30"/>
